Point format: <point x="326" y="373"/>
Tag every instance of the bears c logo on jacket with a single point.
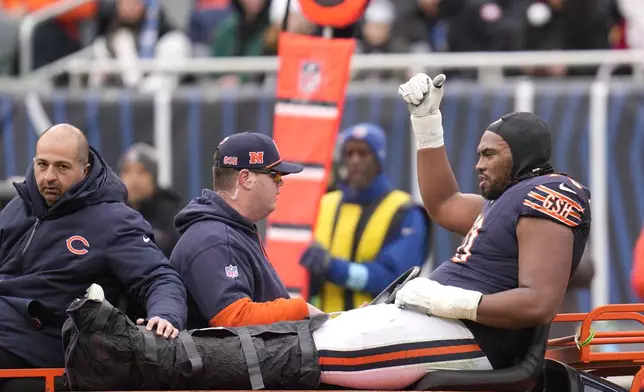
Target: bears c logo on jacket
<point x="334" y="13"/>
<point x="73" y="245"/>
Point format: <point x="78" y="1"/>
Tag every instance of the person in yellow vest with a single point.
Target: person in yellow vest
<point x="367" y="233"/>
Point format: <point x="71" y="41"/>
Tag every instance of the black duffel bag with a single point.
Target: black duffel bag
<point x="105" y="350"/>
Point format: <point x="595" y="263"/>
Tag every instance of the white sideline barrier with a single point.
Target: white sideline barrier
<point x="416" y="61"/>
<point x="488" y="63"/>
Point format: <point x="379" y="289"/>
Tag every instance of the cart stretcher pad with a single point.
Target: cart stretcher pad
<point x="105" y="350"/>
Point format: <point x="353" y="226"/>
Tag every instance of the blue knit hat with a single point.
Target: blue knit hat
<point x="370" y="133"/>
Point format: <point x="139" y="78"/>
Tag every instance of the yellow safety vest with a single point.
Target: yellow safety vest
<point x="335" y="229"/>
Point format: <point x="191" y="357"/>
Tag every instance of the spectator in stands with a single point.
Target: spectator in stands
<point x="422" y="25"/>
<point x="367" y="233"/>
<point x="416" y="21"/>
<point x="297" y="23"/>
<point x="565" y="25"/>
<point x="133" y="29"/>
<point x="204" y="19"/>
<point x="376" y="29"/>
<point x="138" y="169"/>
<point x="242" y="34"/>
<point x="481" y="25"/>
<point x="54" y="38"/>
<point x="220" y="254"/>
<point x="633" y="13"/>
<point x="459" y="26"/>
<point x="69" y="227"/>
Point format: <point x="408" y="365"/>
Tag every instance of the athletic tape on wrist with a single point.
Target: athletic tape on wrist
<point x="428" y="130"/>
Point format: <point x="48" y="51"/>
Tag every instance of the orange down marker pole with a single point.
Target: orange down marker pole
<point x="311" y="87"/>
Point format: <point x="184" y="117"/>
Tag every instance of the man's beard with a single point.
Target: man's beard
<point x="495" y="189"/>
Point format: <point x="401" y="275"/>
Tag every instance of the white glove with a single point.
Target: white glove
<point x="423" y="97"/>
<point x="430" y="297"/>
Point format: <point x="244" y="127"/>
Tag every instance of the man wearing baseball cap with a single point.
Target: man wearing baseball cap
<point x="220" y="255"/>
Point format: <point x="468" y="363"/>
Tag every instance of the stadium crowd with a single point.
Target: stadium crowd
<point x="126" y="29"/>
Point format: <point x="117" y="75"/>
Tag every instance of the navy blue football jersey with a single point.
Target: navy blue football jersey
<point x="488" y="258"/>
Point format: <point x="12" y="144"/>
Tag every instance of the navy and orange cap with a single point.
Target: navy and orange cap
<point x="251" y="150"/>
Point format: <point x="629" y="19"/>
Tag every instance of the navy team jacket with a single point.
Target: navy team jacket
<point x="50" y="256"/>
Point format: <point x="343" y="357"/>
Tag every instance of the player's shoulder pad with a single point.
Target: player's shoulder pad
<point x="558" y="198"/>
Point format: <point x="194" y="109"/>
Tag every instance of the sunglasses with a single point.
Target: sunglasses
<point x="276" y="176"/>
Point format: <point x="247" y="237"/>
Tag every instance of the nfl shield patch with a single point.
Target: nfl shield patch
<point x="231" y="271"/>
<point x="310" y="77"/>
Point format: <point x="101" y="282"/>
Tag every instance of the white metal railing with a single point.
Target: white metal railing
<point x="598" y="146"/>
<point x="487" y="63"/>
<point x="462" y="60"/>
<point x="31" y="21"/>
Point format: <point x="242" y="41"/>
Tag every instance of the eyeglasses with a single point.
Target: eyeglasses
<point x="276" y="176"/>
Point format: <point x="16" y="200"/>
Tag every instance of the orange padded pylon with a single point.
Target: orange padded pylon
<point x="311" y="85"/>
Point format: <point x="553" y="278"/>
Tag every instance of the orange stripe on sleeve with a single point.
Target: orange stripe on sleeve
<point x="536" y="196"/>
<point x="543" y="199"/>
<point x="561" y="196"/>
<point x="543" y="210"/>
<point x="244" y="312"/>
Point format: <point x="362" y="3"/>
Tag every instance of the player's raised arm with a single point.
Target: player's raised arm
<point x="443" y="200"/>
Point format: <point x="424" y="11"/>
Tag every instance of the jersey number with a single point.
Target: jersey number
<point x="464" y="251"/>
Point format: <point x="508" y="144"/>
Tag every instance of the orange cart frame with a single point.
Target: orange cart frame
<point x="603" y="364"/>
<point x="48" y="374"/>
